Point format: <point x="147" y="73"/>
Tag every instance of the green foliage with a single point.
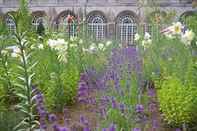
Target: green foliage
<point x="191" y="23"/>
<point x="178" y="102"/>
<point x="166" y="57"/>
<point x="24" y="20"/>
<point x="118" y="118"/>
<point x="64" y="89"/>
<point x="6" y="86"/>
<point x="24" y="84"/>
<point x="7" y="97"/>
<point x="70" y="80"/>
<point x="8" y="119"/>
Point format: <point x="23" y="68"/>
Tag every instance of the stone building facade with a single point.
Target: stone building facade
<point x="104" y="17"/>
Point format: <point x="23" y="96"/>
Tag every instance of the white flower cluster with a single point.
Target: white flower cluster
<point x="58" y="44"/>
<point x="61" y="46"/>
<point x="15" y="51"/>
<point x="146" y="40"/>
<point x="39" y="46"/>
<point x="177" y="29"/>
<point x="187" y="37"/>
<point x="97" y="47"/>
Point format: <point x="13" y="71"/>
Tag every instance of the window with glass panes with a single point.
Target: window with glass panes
<point x="10" y="24"/>
<point x="97" y="26"/>
<point x="126" y="28"/>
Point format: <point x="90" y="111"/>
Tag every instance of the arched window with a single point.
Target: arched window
<point x="126" y="28"/>
<point x="39" y="20"/>
<point x="97" y="26"/>
<point x="10" y="24"/>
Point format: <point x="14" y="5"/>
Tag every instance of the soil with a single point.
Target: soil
<point x="72" y="115"/>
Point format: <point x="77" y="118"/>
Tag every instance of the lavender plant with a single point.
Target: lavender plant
<point x="119" y="90"/>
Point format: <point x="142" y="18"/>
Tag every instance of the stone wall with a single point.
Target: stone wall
<point x="110" y="8"/>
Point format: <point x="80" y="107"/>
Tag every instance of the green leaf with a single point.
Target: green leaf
<point x="21" y="96"/>
<point x="22" y="123"/>
<point x="30" y="79"/>
<point x="19" y="85"/>
<point x="22" y="79"/>
<point x="32" y="66"/>
<point x="21" y="68"/>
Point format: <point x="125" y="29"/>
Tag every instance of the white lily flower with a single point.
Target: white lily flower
<point x="188" y="35"/>
<point x="146" y="43"/>
<point x="85" y="50"/>
<point x="14" y="55"/>
<point x="80" y="41"/>
<point x="52" y="43"/>
<point x="60" y="41"/>
<point x="4" y="52"/>
<point x="147" y="36"/>
<point x="177" y="28"/>
<point x="40" y="46"/>
<point x="73" y="38"/>
<point x="73" y="45"/>
<point x="100" y="46"/>
<point x="149" y="41"/>
<point x="108" y="43"/>
<point x="137" y="37"/>
<point x="92" y="47"/>
<point x="14" y="49"/>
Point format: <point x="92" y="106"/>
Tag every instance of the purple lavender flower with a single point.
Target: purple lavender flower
<point x="62" y="129"/>
<point x="155" y="124"/>
<point x="52" y="118"/>
<point x="151" y="92"/>
<point x="136" y="129"/>
<point x="83" y="89"/>
<point x="86" y="129"/>
<point x="139" y="108"/>
<point x="152" y="107"/>
<point x="112" y="127"/>
<point x="114" y="104"/>
<point x="84" y="121"/>
<point x="122" y="108"/>
<point x="104" y="129"/>
<point x="103" y="112"/>
<point x="38" y="97"/>
<point x="178" y="129"/>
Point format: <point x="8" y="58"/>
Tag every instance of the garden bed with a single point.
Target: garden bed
<point x="51" y="82"/>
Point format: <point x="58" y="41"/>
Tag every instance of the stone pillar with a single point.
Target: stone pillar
<point x="111" y="31"/>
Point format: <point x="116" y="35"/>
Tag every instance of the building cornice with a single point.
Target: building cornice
<point x="91" y="4"/>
